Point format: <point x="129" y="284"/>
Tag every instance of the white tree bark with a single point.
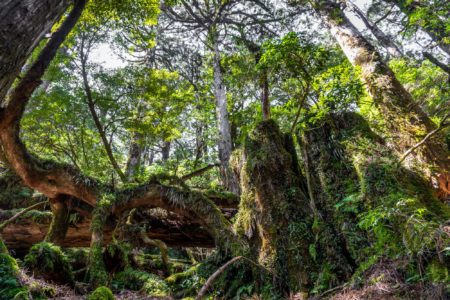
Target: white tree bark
<point x="223" y="125"/>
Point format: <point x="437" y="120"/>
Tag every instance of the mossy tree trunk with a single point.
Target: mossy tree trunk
<point x="354" y="178"/>
<point x="97" y="272"/>
<point x="60" y="220"/>
<point x="406" y="122"/>
<point x="274" y="212"/>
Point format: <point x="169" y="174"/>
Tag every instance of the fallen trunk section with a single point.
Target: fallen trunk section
<point x="172" y="230"/>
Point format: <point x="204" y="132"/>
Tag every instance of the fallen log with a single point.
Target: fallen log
<point x="174" y="231"/>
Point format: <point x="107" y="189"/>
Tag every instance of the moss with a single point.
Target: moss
<point x="97" y="272"/>
<point x="438" y="272"/>
<point x="155" y="286"/>
<point x="9" y="286"/>
<point x="48" y="261"/>
<point x="131" y="279"/>
<point x="40" y="217"/>
<point x="177" y="278"/>
<point x="274" y="211"/>
<point x="101" y="293"/>
<point x="60" y="222"/>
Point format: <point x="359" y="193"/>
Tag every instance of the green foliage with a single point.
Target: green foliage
<point x="155" y="286"/>
<point x="427" y="83"/>
<point x="101" y="293"/>
<point x="97" y="272"/>
<point x="9" y="286"/>
<point x="48" y="261"/>
<point x="131" y="279"/>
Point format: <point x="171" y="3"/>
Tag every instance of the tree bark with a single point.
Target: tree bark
<point x="172" y="230"/>
<point x="385" y="41"/>
<point x="264" y="96"/>
<point x="165" y="151"/>
<point x="224" y="141"/>
<point x="434" y="60"/>
<point x="60" y="220"/>
<point x="134" y="156"/>
<point x="23" y="24"/>
<point x="406" y="121"/>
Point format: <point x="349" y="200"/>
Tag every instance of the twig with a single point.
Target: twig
<point x="441" y="126"/>
<point x="16" y="216"/>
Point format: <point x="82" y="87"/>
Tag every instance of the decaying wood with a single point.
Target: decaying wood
<point x="175" y="232"/>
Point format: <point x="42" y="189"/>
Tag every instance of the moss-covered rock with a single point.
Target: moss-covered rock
<point x="101" y="293"/>
<point x="47" y="260"/>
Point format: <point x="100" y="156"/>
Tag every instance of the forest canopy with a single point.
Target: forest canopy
<point x="232" y="149"/>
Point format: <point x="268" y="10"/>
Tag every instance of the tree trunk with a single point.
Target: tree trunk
<point x="224" y="141"/>
<point x="23" y="24"/>
<point x="101" y="131"/>
<point x="264" y="96"/>
<point x="165" y="151"/>
<point x="385" y="41"/>
<point x="134" y="156"/>
<point x="406" y="121"/>
<point x="60" y="220"/>
<point x="273" y="205"/>
<point x="436" y="28"/>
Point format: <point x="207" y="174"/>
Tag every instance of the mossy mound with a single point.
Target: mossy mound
<point x="101" y="293"/>
<point x="131" y="279"/>
<point x="47" y="260"/>
<point x="9" y="286"/>
<point x="184" y="284"/>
